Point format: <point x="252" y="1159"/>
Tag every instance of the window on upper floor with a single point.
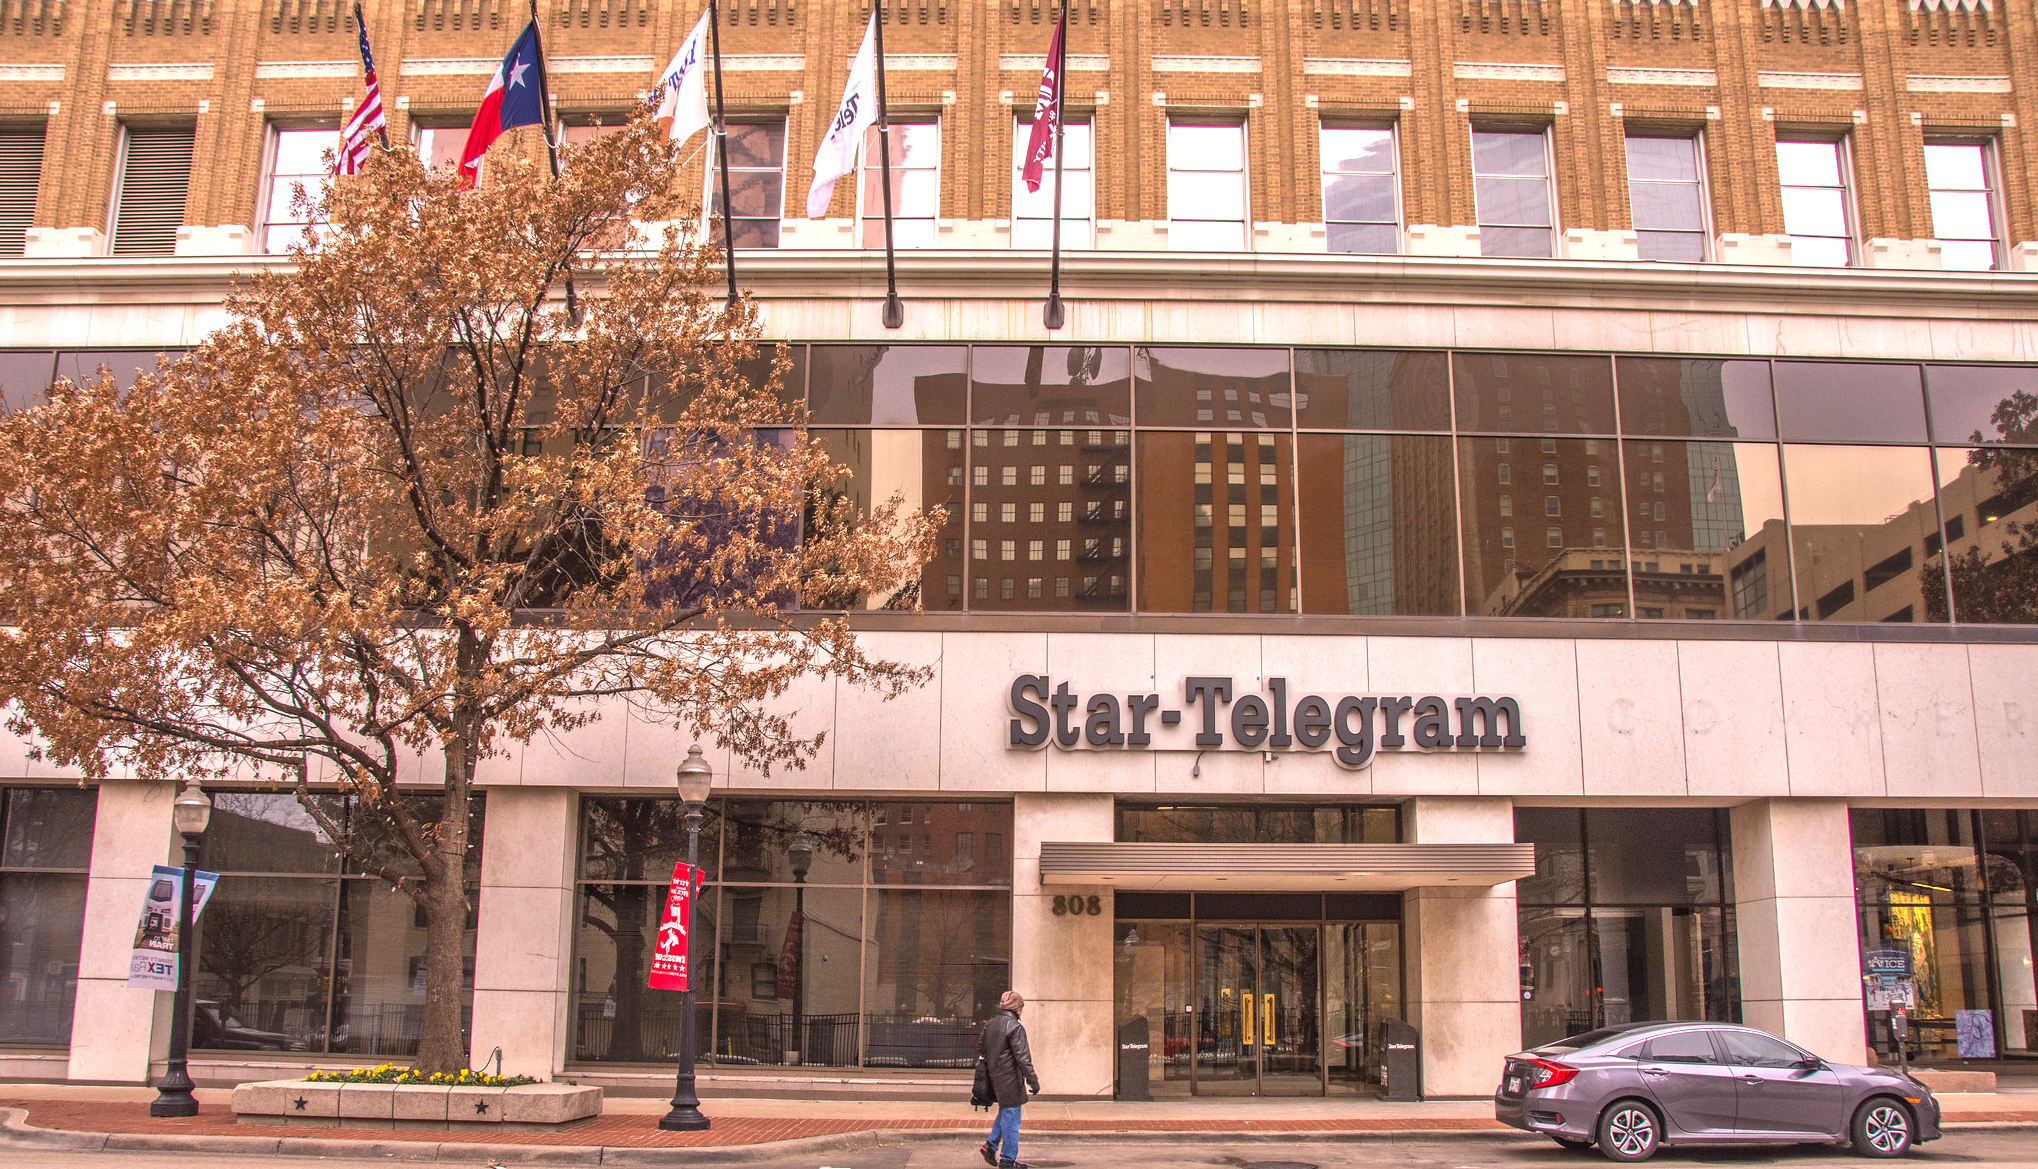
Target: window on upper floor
<point x="1033" y="211"/>
<point x="296" y="158"/>
<point x="1961" y="178"/>
<point x="578" y="130"/>
<point x="916" y="185"/>
<point x="1818" y="201"/>
<point x="149" y="190"/>
<point x="1207" y="203"/>
<point x="1361" y="189"/>
<point x="1517" y="209"/>
<point x="20" y="175"/>
<point x="440" y="145"/>
<point x="1666" y="196"/>
<point x="756" y="182"/>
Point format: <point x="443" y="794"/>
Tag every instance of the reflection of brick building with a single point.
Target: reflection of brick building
<point x="1378" y="531"/>
<point x="1051" y="521"/>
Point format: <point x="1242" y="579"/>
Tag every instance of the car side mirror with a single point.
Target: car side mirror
<point x="1809" y="1064"/>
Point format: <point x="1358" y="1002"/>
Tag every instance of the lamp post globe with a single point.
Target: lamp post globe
<point x="694" y="780"/>
<point x="190" y="812"/>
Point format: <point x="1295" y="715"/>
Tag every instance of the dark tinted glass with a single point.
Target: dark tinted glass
<point x="1682" y="1047"/>
<point x="670" y="395"/>
<point x="762" y="836"/>
<point x="1548" y="392"/>
<point x="940" y="843"/>
<point x="47" y="828"/>
<point x="1659" y="856"/>
<point x="124" y="364"/>
<point x="1863" y="527"/>
<point x="642" y="840"/>
<point x="1664" y="964"/>
<point x="925" y="468"/>
<point x="887" y="385"/>
<point x="1051" y="385"/>
<point x="1914" y="855"/>
<point x="1234" y="388"/>
<point x="1244" y="824"/>
<point x="379" y="997"/>
<point x="787" y="951"/>
<point x="1705" y="397"/>
<point x="1699" y="511"/>
<point x="45" y="924"/>
<point x="1216" y="522"/>
<point x="1372" y="389"/>
<point x="616" y="1017"/>
<point x="1557" y="979"/>
<point x="1560" y="857"/>
<point x="24" y="375"/>
<point x="1979" y="489"/>
<point x="1830" y="401"/>
<point x="1532" y="545"/>
<point x="1983" y="403"/>
<point x="934" y="968"/>
<point x="266" y="832"/>
<point x="1378" y="530"/>
<point x="1050" y="520"/>
<point x="264" y="963"/>
<point x="1751" y="1049"/>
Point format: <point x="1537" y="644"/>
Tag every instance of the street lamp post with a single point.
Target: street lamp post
<point x="694" y="779"/>
<point x="800" y="853"/>
<point x="190" y="812"/>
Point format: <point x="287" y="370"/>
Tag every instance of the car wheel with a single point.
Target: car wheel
<point x="1572" y="1146"/>
<point x="1629" y="1131"/>
<point x="1882" y="1128"/>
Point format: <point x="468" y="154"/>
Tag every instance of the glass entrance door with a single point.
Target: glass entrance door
<point x="1258" y="1011"/>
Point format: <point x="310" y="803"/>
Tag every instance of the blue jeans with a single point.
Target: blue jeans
<point x="1005" y="1129"/>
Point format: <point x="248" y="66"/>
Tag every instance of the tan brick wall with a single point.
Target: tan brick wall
<point x="1879" y="42"/>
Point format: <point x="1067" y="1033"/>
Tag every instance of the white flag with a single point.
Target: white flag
<point x="682" y="90"/>
<point x="837" y="156"/>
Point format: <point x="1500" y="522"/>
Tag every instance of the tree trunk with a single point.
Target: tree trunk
<point x="442" y="1046"/>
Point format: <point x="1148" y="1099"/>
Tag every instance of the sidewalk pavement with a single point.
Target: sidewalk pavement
<point x="88" y="1118"/>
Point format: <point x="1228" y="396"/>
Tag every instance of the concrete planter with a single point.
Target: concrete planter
<point x="413" y="1106"/>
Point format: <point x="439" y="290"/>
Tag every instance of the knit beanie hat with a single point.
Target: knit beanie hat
<point x="1010" y="1001"/>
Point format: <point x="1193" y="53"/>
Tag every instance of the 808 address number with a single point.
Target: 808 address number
<point x="1078" y="906"/>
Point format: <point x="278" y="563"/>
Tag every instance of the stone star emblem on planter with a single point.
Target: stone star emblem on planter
<point x="481" y="1108"/>
<point x="300" y="1102"/>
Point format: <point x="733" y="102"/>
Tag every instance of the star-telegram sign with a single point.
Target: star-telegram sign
<point x="1352" y="727"/>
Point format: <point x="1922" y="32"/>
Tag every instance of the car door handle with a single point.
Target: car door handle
<point x="1751" y="1079"/>
<point x="1654" y="1072"/>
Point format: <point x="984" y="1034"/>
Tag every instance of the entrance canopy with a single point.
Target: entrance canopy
<point x="1297" y="867"/>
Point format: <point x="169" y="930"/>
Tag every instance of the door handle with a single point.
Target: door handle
<point x="1654" y="1072"/>
<point x="1751" y="1079"/>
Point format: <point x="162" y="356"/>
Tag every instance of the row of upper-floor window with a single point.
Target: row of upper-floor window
<point x="1209" y="192"/>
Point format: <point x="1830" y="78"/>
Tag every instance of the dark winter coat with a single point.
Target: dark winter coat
<point x="1003" y="1046"/>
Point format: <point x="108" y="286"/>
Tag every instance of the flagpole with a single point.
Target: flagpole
<point x="1053" y="315"/>
<point x="362" y="25"/>
<point x="551" y="147"/>
<point x="722" y="151"/>
<point x="895" y="309"/>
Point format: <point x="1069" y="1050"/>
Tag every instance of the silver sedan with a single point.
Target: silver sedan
<point x="1632" y="1090"/>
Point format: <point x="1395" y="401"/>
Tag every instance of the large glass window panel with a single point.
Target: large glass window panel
<point x="1562" y="563"/>
<point x="1833" y="401"/>
<point x="1361" y="991"/>
<point x="1236" y="389"/>
<point x="1206" y="187"/>
<point x="1960" y="179"/>
<point x="1151" y="980"/>
<point x="1258" y="824"/>
<point x="296" y="162"/>
<point x="266" y="832"/>
<point x="1051" y="519"/>
<point x="2012" y="841"/>
<point x="1664" y="856"/>
<point x="379" y="986"/>
<point x="1557" y="976"/>
<point x="1817" y="205"/>
<point x="643" y="839"/>
<point x="44" y="919"/>
<point x="1928" y="852"/>
<point x="1705" y="397"/>
<point x="1666" y="197"/>
<point x="916" y="185"/>
<point x="1361" y="189"/>
<point x="1511" y="186"/>
<point x="25" y="374"/>
<point x="47" y="828"/>
<point x="1033" y="211"/>
<point x="1700" y="511"/>
<point x="1664" y="962"/>
<point x="1855" y="513"/>
<point x="1377" y="525"/>
<point x="1560" y="855"/>
<point x="1949" y="973"/>
<point x="760" y="833"/>
<point x="124" y="365"/>
<point x="1988" y="502"/>
<point x="1051" y="385"/>
<point x="264" y="961"/>
<point x="617" y="1018"/>
<point x="940" y="843"/>
<point x="756" y="182"/>
<point x="787" y="961"/>
<point x="1372" y="389"/>
<point x="440" y="146"/>
<point x="1561" y="393"/>
<point x="925" y="470"/>
<point x="935" y="964"/>
<point x="1216" y="522"/>
<point x="1980" y="404"/>
<point x="887" y="385"/>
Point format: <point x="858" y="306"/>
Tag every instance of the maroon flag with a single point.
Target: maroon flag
<point x="668" y="962"/>
<point x="789" y="958"/>
<point x="1046" y="112"/>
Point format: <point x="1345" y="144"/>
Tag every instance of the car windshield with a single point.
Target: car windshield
<point x="1581" y="1042"/>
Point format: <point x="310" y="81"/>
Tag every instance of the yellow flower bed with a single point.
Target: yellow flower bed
<point x="389" y="1073"/>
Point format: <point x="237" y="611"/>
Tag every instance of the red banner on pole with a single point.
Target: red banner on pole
<point x="789" y="959"/>
<point x="668" y="964"/>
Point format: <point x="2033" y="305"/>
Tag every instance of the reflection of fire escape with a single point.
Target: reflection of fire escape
<point x="1106" y="485"/>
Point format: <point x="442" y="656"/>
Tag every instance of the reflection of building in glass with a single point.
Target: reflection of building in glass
<point x="1213" y="526"/>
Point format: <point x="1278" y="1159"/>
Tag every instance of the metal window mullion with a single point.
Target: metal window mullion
<point x="1620" y="472"/>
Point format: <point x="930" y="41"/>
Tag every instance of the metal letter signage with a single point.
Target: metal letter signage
<point x="1223" y="716"/>
<point x="668" y="963"/>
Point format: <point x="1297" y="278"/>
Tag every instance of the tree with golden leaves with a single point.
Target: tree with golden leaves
<point x="404" y="505"/>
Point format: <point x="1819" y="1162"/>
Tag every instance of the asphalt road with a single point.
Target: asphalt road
<point x="1980" y="1148"/>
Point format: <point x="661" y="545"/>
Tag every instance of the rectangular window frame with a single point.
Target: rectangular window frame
<point x="22" y="151"/>
<point x="286" y="231"/>
<point x="1992" y="174"/>
<point x="711" y="200"/>
<point x="1850" y="209"/>
<point x="870" y="215"/>
<point x="1544" y="131"/>
<point x="1078" y="232"/>
<point x="1324" y="175"/>
<point x="115" y="204"/>
<point x="1708" y="242"/>
<point x="1244" y="172"/>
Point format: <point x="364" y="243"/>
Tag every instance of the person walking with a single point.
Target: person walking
<point x="1003" y="1047"/>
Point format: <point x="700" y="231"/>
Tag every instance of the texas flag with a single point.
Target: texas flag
<point x="515" y="97"/>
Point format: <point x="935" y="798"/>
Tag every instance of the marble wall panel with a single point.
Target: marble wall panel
<point x="1733" y="717"/>
<point x="1629" y="712"/>
<point x="1832" y="723"/>
<point x="1928" y="729"/>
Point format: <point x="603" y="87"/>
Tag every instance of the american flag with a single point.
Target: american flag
<point x="367" y="120"/>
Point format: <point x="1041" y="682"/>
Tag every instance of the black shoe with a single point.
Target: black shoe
<point x="990" y="1155"/>
<point x="1011" y="1165"/>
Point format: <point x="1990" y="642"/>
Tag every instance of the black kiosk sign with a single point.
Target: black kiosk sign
<point x="1280" y="718"/>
